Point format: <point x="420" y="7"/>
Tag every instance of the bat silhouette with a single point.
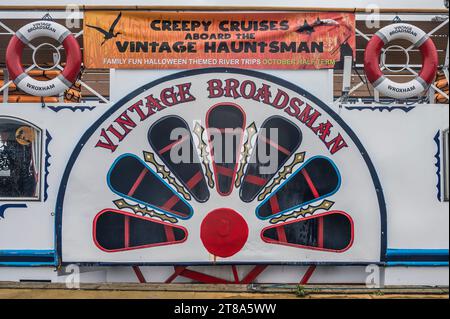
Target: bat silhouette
<point x="310" y="28"/>
<point x="107" y="35"/>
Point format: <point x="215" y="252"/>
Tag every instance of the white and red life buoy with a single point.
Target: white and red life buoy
<point x="429" y="61"/>
<point x="30" y="32"/>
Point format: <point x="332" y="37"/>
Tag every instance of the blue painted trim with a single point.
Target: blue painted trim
<point x="27" y="264"/>
<point x="417" y="257"/>
<point x="31" y="254"/>
<point x="56" y="109"/>
<point x="12" y="252"/>
<point x="417" y="263"/>
<point x="437" y="156"/>
<point x="415" y="252"/>
<point x="230" y="71"/>
<point x="305" y="203"/>
<point x="405" y="109"/>
<point x="108" y="181"/>
<point x="48" y="139"/>
<point x="4" y="207"/>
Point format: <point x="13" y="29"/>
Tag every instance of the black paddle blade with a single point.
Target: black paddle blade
<point x="277" y="140"/>
<point x="179" y="154"/>
<point x="332" y="231"/>
<point x="116" y="230"/>
<point x="318" y="178"/>
<point x="225" y="126"/>
<point x="131" y="178"/>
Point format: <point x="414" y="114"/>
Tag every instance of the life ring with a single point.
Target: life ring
<point x="429" y="61"/>
<point x="32" y="31"/>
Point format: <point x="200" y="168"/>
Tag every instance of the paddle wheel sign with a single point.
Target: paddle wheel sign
<point x="220" y="166"/>
<point x="184" y="40"/>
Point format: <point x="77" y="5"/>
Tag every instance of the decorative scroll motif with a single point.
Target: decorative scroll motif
<point x="325" y="205"/>
<point x="137" y="209"/>
<point x="437" y="156"/>
<point x="405" y="109"/>
<point x="202" y="147"/>
<point x="56" y="109"/>
<point x="149" y="157"/>
<point x="4" y="207"/>
<point x="48" y="139"/>
<point x="282" y="175"/>
<point x="251" y="132"/>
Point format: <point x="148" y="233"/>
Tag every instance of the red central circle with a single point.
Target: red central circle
<point x="224" y="232"/>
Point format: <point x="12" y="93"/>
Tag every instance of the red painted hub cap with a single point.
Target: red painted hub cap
<point x="224" y="232"/>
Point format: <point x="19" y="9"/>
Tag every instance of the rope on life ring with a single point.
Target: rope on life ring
<point x="30" y="32"/>
<point x="421" y="41"/>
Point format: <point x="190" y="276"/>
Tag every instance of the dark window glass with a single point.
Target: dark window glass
<point x="20" y="160"/>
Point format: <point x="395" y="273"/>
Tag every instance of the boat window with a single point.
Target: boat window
<point x="20" y="160"/>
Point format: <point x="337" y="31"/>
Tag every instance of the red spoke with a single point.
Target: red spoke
<point x="137" y="182"/>
<point x="275" y="145"/>
<point x="310" y="183"/>
<point x="172" y="145"/>
<point x="255" y="180"/>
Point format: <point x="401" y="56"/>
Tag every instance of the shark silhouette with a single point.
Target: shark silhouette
<point x="310" y="28"/>
<point x="107" y="35"/>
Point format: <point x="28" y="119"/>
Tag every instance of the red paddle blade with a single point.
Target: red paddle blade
<point x="331" y="231"/>
<point x="225" y="126"/>
<point x="185" y="166"/>
<point x="116" y="230"/>
<point x="280" y="138"/>
<point x="131" y="178"/>
<point x="318" y="178"/>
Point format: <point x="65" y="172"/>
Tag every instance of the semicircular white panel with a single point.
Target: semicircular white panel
<point x="220" y="166"/>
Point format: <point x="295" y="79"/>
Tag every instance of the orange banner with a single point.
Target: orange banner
<point x="174" y="40"/>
